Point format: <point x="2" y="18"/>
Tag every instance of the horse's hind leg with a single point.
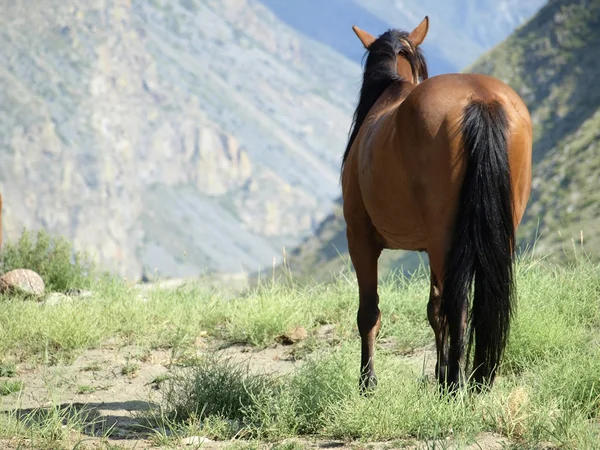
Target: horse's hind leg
<point x="364" y="252"/>
<point x="451" y="322"/>
<point x="434" y="314"/>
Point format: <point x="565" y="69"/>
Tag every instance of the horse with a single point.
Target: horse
<point x="440" y="165"/>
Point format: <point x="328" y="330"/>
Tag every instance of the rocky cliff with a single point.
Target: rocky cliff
<point x="179" y="136"/>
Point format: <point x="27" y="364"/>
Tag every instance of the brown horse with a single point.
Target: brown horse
<point x="441" y="165"/>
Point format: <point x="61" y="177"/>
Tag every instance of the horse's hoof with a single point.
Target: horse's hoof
<point x="368" y="385"/>
<point x="479" y="387"/>
<point x="450" y="388"/>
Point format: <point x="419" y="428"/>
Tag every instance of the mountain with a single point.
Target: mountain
<point x="194" y="135"/>
<point x="179" y="136"/>
<point x="552" y="62"/>
<point x="461" y="30"/>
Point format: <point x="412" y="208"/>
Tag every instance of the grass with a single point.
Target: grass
<point x="175" y="318"/>
<point x="8" y="387"/>
<point x="548" y="389"/>
<point x="54" y="428"/>
<point x="7" y="370"/>
<point x="321" y="399"/>
<point x="130" y="369"/>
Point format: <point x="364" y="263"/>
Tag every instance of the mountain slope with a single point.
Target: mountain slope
<point x="463" y="28"/>
<point x="313" y="18"/>
<point x="471" y="27"/>
<point x="178" y="135"/>
<point x="552" y="61"/>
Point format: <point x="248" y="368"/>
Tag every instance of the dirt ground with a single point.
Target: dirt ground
<point x="114" y="385"/>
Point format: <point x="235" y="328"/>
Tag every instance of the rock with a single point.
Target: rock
<point x="195" y="440"/>
<point x="326" y="332"/>
<point x="24" y="281"/>
<point x="70" y="295"/>
<point x="76" y="292"/>
<point x="55" y="298"/>
<point x="292" y="336"/>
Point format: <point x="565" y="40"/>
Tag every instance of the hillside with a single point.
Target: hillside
<point x="465" y="28"/>
<point x="181" y="136"/>
<point x="472" y="27"/>
<point x="192" y="135"/>
<point x="552" y="61"/>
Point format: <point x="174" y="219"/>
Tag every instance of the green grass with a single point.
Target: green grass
<point x="175" y="318"/>
<point x="548" y="389"/>
<point x="130" y="368"/>
<point x="8" y="387"/>
<point x="321" y="399"/>
<point x="85" y="389"/>
<point x="54" y="428"/>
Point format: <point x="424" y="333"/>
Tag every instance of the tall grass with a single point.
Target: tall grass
<point x="176" y="317"/>
<point x="321" y="399"/>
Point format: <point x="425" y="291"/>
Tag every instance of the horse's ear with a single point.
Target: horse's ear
<point x="417" y="36"/>
<point x="366" y="38"/>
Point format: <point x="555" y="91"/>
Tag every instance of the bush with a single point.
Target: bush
<point x="215" y="387"/>
<point x="52" y="258"/>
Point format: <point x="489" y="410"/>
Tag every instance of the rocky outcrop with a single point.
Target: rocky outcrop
<point x="180" y="136"/>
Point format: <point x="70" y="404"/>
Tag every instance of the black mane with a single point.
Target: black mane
<point x="380" y="72"/>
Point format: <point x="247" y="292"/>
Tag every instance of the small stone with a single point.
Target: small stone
<point x="292" y="336"/>
<point x="24" y="281"/>
<point x="326" y="331"/>
<point x="76" y="292"/>
<point x="195" y="440"/>
<point x="56" y="298"/>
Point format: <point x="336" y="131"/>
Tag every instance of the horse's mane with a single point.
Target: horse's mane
<point x="381" y="72"/>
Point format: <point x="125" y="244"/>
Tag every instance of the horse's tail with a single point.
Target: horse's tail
<point x="483" y="241"/>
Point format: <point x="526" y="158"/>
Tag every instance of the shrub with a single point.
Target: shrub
<point x="52" y="258"/>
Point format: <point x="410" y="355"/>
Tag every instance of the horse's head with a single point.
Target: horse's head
<point x="410" y="63"/>
<point x="394" y="58"/>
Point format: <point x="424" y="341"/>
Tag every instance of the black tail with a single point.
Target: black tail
<point x="483" y="242"/>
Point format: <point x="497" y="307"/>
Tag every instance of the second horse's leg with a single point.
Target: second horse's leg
<point x="434" y="314"/>
<point x="364" y="252"/>
<point x="450" y="307"/>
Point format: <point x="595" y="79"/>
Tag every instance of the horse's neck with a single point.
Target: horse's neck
<point x="390" y="101"/>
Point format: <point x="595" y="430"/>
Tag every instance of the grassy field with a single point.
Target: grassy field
<point x="301" y="389"/>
